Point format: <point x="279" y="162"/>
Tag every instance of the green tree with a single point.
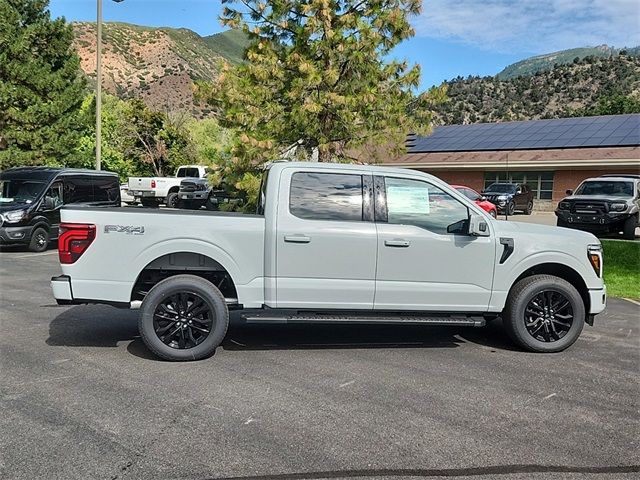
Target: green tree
<point x="41" y="87"/>
<point x="317" y="81"/>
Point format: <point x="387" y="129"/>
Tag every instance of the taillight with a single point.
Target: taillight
<point x="153" y="184"/>
<point x="73" y="240"/>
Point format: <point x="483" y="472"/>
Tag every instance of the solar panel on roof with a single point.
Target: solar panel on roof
<point x="615" y="130"/>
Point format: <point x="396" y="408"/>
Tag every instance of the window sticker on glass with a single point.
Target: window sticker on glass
<point x="408" y="199"/>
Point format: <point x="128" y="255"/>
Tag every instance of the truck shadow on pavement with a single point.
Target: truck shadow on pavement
<point x="103" y="326"/>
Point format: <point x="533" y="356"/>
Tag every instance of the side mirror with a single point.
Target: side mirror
<point x="49" y="203"/>
<point x="569" y="191"/>
<point x="478" y="226"/>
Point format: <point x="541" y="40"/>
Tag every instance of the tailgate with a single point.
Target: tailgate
<point x="139" y="183"/>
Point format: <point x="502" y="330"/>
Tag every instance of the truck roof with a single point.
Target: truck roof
<point x="47" y="173"/>
<point x="344" y="166"/>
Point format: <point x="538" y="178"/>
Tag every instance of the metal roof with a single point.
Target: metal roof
<point x="583" y="132"/>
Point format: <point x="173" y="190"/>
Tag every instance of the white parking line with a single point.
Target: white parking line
<point x="632" y="301"/>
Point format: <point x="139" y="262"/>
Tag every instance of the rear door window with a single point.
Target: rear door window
<point x="326" y="196"/>
<point x="105" y="189"/>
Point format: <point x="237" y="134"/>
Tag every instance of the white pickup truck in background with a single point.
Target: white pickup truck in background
<point x="332" y="243"/>
<point x="152" y="191"/>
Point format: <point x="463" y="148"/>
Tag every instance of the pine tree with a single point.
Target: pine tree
<point x="41" y="88"/>
<point x="317" y="76"/>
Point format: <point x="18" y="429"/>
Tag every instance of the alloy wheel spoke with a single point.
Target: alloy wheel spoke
<point x="183" y="320"/>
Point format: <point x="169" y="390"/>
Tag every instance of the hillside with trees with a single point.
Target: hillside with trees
<point x="157" y="65"/>
<point x="589" y="86"/>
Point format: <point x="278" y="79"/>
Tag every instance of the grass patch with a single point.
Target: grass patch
<point x="622" y="268"/>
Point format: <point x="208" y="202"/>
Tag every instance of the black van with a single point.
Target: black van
<point x="31" y="197"/>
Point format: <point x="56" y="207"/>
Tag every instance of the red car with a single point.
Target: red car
<point x="482" y="202"/>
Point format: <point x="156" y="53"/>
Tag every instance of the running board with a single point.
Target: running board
<point x="444" y="319"/>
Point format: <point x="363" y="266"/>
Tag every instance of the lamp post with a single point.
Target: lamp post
<point x="99" y="83"/>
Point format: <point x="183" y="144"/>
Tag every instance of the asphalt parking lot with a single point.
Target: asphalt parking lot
<point x="82" y="398"/>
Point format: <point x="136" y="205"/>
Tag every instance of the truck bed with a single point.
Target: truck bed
<point x="131" y="238"/>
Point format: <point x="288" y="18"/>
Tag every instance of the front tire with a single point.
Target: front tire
<point x="39" y="240"/>
<point x="629" y="228"/>
<point x="511" y="208"/>
<point x="544" y="313"/>
<point x="172" y="200"/>
<point x="183" y="318"/>
<point x="493" y="213"/>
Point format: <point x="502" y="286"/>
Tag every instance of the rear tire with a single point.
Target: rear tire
<point x="529" y="209"/>
<point x="39" y="240"/>
<point x="629" y="228"/>
<point x="544" y="313"/>
<point x="208" y="312"/>
<point x="149" y="203"/>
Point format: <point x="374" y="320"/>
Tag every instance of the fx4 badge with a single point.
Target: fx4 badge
<point x="126" y="229"/>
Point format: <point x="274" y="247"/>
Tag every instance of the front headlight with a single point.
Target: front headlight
<point x="594" y="253"/>
<point x="14" y="217"/>
<point x="564" y="206"/>
<point x="618" y="207"/>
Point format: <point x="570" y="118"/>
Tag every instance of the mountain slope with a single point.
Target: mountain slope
<point x="541" y="63"/>
<point x="556" y="93"/>
<point x="158" y="65"/>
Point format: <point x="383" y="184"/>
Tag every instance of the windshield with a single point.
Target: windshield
<point x="608" y="188"/>
<point x="20" y="191"/>
<point x="501" y="188"/>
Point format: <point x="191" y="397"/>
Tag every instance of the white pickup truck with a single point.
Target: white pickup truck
<point x="152" y="191"/>
<point x="332" y="243"/>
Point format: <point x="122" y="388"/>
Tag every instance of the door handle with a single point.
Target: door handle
<point x="397" y="243"/>
<point x="297" y="239"/>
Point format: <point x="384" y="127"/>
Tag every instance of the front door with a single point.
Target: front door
<point x="424" y="261"/>
<point x="325" y="241"/>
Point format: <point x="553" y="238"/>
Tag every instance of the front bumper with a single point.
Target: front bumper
<point x="15" y="235"/>
<point x="590" y="221"/>
<point x="597" y="300"/>
<point x="200" y="195"/>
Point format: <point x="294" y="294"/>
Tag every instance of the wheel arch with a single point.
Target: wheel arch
<point x="185" y="262"/>
<point x="559" y="270"/>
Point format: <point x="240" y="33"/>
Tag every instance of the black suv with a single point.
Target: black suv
<point x="606" y="204"/>
<point x="31" y="198"/>
<point x="509" y="197"/>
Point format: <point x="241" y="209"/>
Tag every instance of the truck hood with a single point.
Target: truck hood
<point x="547" y="237"/>
<point x="596" y="198"/>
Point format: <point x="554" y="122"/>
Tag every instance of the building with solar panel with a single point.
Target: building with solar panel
<point x="550" y="156"/>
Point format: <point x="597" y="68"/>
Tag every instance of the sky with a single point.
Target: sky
<point x="453" y="37"/>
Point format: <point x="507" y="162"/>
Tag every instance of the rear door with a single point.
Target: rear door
<point x="325" y="240"/>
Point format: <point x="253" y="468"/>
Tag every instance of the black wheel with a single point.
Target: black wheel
<point x="561" y="223"/>
<point x="629" y="228"/>
<point x="529" y="209"/>
<point x="511" y="208"/>
<point x="149" y="202"/>
<point x="493" y="213"/>
<point x="39" y="240"/>
<point x="172" y="200"/>
<point x="183" y="318"/>
<point x="544" y="314"/>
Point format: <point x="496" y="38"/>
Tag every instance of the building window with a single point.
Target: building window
<point x="540" y="182"/>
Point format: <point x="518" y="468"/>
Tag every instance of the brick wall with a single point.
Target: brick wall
<point x="570" y="179"/>
<point x="473" y="179"/>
